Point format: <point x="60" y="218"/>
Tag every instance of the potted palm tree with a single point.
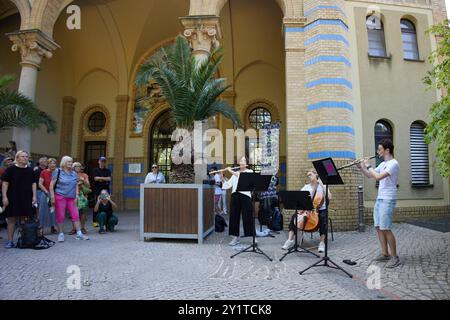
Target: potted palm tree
<point x="17" y="110"/>
<point x="191" y="90"/>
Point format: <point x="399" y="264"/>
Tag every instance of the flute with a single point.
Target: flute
<point x="356" y="162"/>
<point x="222" y="170"/>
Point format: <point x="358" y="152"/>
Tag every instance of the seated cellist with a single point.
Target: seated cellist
<point x="317" y="192"/>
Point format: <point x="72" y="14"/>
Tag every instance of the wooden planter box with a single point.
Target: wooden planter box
<point x="176" y="211"/>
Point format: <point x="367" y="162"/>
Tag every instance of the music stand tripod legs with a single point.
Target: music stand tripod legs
<point x="296" y="246"/>
<point x="327" y="262"/>
<point x="253" y="247"/>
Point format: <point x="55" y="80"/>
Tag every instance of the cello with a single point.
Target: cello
<point x="312" y="217"/>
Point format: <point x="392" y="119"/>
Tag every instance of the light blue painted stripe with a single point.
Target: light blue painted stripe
<point x="319" y="22"/>
<point x="322" y="81"/>
<point x="332" y="154"/>
<point x="311" y="11"/>
<point x="328" y="59"/>
<point x="331" y="104"/>
<point x="333" y="129"/>
<point x="327" y="37"/>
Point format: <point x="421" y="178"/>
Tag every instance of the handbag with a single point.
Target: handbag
<point x="82" y="201"/>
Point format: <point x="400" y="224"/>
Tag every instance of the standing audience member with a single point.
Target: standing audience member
<point x="102" y="181"/>
<point x="63" y="193"/>
<point x="104" y="209"/>
<point x="84" y="188"/>
<point x="12" y="150"/>
<point x="18" y="193"/>
<point x="5" y="164"/>
<point x="46" y="216"/>
<point x="155" y="176"/>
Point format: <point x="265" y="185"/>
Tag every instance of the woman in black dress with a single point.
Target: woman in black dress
<point x="19" y="193"/>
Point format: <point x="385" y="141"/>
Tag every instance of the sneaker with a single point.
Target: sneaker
<point x="95" y="224"/>
<point x="382" y="258"/>
<point x="9" y="245"/>
<point x="61" y="237"/>
<point x="235" y="241"/>
<point x="82" y="237"/>
<point x="393" y="262"/>
<point x="322" y="247"/>
<point x="102" y="231"/>
<point x="288" y="244"/>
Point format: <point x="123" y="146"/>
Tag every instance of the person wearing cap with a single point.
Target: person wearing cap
<point x="155" y="176"/>
<point x="102" y="180"/>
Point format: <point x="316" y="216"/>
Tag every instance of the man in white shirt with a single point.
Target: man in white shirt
<point x="383" y="212"/>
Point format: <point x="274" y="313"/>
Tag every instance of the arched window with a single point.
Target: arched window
<point x="161" y="143"/>
<point x="96" y="121"/>
<point x="383" y="130"/>
<point x="259" y="117"/>
<point x="420" y="169"/>
<point x="409" y="39"/>
<point x="375" y="33"/>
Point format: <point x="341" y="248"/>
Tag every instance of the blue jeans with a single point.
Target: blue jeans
<point x="383" y="213"/>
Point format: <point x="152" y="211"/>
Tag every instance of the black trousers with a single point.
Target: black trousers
<point x="322" y="222"/>
<point x="241" y="203"/>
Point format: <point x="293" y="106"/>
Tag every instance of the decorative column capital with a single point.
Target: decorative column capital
<point x="33" y="45"/>
<point x="69" y="100"/>
<point x="203" y="33"/>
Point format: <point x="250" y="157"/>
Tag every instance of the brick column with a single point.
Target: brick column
<point x="119" y="148"/>
<point x="329" y="98"/>
<point x="296" y="122"/>
<point x="66" y="130"/>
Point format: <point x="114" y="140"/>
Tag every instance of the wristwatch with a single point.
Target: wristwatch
<point x="368" y="167"/>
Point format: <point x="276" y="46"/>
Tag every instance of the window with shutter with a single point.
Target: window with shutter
<point x="420" y="169"/>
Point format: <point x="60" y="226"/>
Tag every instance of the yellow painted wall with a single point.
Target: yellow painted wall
<point x="393" y="89"/>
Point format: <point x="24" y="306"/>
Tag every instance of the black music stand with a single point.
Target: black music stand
<point x="253" y="182"/>
<point x="328" y="173"/>
<point x="297" y="200"/>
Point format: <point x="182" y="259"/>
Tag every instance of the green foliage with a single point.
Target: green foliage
<point x="438" y="130"/>
<point x="17" y="110"/>
<point x="189" y="87"/>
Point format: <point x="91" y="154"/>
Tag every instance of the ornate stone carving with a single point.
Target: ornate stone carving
<point x="33" y="46"/>
<point x="203" y="33"/>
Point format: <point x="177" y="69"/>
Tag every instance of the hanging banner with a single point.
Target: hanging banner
<point x="270" y="143"/>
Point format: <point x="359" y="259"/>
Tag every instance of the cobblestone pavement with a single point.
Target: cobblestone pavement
<point x="119" y="266"/>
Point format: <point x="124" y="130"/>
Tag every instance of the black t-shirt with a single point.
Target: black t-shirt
<point x="100" y="185"/>
<point x="106" y="208"/>
<point x="20" y="192"/>
<point x="37" y="173"/>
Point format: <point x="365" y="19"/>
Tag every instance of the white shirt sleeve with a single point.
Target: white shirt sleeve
<point x="147" y="179"/>
<point x="391" y="167"/>
<point x="228" y="184"/>
<point x="378" y="169"/>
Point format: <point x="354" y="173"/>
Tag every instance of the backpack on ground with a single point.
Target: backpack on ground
<point x="30" y="238"/>
<point x="220" y="223"/>
<point x="276" y="223"/>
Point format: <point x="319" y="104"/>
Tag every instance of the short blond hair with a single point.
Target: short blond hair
<point x="52" y="160"/>
<point x="19" y="153"/>
<point x="64" y="161"/>
<point x="77" y="164"/>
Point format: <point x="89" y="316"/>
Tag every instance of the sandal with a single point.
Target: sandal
<point x="83" y="230"/>
<point x="54" y="231"/>
<point x="72" y="232"/>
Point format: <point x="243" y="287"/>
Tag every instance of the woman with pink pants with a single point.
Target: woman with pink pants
<point x="63" y="193"/>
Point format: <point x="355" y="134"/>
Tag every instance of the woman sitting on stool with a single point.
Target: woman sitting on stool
<point x="317" y="191"/>
<point x="104" y="210"/>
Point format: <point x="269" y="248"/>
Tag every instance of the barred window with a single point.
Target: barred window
<point x="375" y="33"/>
<point x="97" y="121"/>
<point x="258" y="118"/>
<point x="409" y="39"/>
<point x="420" y="169"/>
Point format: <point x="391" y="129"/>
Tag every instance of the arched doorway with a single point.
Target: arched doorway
<point x="161" y="143"/>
